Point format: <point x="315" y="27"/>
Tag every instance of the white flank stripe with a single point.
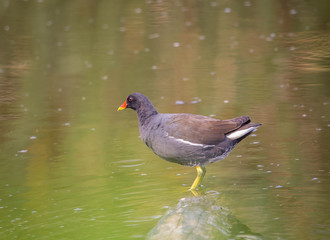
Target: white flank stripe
<point x="190" y="143"/>
<point x="240" y="133"/>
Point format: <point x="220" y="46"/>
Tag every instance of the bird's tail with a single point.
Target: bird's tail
<point x="244" y="131"/>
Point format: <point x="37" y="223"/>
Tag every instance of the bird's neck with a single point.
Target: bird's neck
<point x="145" y="113"/>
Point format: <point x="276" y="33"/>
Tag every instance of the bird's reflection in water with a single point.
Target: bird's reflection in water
<point x="200" y="217"/>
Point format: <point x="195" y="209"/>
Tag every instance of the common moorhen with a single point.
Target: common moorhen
<point x="187" y="139"/>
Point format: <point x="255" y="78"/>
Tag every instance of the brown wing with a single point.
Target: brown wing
<point x="201" y="129"/>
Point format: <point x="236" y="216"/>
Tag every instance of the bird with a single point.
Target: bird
<point x="187" y="139"/>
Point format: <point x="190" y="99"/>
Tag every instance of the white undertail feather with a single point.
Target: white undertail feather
<point x="240" y="133"/>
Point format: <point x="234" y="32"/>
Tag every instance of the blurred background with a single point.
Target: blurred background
<point x="72" y="167"/>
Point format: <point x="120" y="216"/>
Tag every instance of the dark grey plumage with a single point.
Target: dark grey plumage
<point x="187" y="139"/>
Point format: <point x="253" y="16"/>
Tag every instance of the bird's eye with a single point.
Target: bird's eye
<point x="130" y="99"/>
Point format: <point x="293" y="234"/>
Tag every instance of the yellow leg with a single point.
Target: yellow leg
<point x="200" y="175"/>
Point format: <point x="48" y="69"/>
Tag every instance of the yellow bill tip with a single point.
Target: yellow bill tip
<point x="122" y="107"/>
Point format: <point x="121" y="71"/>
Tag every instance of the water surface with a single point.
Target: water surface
<point x="72" y="167"/>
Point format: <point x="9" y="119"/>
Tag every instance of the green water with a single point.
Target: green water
<point x="72" y="167"/>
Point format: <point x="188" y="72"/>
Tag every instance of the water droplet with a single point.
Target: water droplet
<point x="179" y="102"/>
<point x="154" y="35"/>
<point x="188" y="23"/>
<point x="227" y="10"/>
<point x="138" y="10"/>
<point x="88" y="65"/>
<point x="49" y="23"/>
<point x="293" y="11"/>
